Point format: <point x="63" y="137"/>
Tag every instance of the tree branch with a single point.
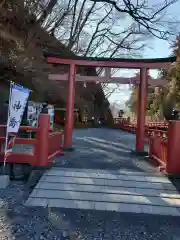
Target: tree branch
<point x="143" y="15"/>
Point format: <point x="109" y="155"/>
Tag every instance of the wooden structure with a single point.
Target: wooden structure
<point x="163" y="138"/>
<point x="104" y="79"/>
<point x="143" y="64"/>
<point x="47" y="145"/>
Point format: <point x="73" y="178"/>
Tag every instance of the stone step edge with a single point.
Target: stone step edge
<point x="105" y="185"/>
<point x="120" y="172"/>
<point x="103" y="192"/>
<point x="92" y="206"/>
<point x="103" y="178"/>
<point x="95" y="201"/>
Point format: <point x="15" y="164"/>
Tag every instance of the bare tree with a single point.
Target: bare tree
<point x="101" y="28"/>
<point x="92" y="29"/>
<point x="145" y="15"/>
<point x="114" y="110"/>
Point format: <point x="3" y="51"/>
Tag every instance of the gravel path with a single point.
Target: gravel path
<point x="22" y="223"/>
<point x="107" y="149"/>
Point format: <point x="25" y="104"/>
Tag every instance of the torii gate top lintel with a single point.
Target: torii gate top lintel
<point x="142" y="64"/>
<point x="156" y="63"/>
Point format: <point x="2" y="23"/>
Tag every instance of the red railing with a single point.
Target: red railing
<point x="158" y="143"/>
<point x="126" y="125"/>
<point x="20" y="157"/>
<point x="46" y="144"/>
<point x="157" y="125"/>
<point x="157" y="139"/>
<point x="55" y="140"/>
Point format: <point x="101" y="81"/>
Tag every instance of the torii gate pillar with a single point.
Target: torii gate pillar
<point x="141" y="110"/>
<point x="69" y="121"/>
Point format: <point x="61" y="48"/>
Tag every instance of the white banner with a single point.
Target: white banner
<point x="17" y="103"/>
<point x="18" y="97"/>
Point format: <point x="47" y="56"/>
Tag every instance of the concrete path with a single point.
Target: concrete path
<point x="102" y="174"/>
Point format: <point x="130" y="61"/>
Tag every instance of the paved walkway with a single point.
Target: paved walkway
<point x="102" y="174"/>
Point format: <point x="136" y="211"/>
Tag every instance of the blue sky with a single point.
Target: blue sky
<point x="157" y="49"/>
<point x="160" y="49"/>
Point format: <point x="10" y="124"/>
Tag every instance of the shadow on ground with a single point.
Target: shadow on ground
<point x="94" y="149"/>
<point x="20" y="222"/>
<point x="107" y="149"/>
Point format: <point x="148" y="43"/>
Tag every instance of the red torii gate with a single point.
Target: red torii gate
<point x="106" y="79"/>
<point x="143" y="64"/>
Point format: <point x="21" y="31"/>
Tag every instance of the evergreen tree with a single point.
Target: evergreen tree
<point x="160" y="103"/>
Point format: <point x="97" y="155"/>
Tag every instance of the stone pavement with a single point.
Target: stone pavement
<point x="102" y="174"/>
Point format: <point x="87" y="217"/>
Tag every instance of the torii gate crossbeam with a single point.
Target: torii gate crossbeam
<point x="103" y="79"/>
<point x="143" y="64"/>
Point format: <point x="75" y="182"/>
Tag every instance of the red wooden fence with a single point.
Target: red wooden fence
<point x="47" y="144"/>
<point x="158" y="143"/>
<point x="157" y="139"/>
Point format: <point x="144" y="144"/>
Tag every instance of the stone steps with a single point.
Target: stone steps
<point x="109" y="191"/>
<point x="106" y="182"/>
<point x="61" y="170"/>
<point x="106" y="197"/>
<point x="122" y="175"/>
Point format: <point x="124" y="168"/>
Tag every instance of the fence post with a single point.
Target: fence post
<point x="42" y="137"/>
<point x="173" y="149"/>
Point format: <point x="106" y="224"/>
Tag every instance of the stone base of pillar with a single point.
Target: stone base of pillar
<point x="68" y="149"/>
<point x="141" y="154"/>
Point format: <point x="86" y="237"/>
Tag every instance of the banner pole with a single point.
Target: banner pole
<point x="6" y="139"/>
<point x="16" y="103"/>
